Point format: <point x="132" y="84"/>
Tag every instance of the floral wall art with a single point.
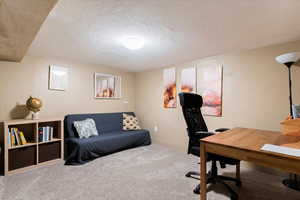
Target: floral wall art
<point x="209" y="84"/>
<point x="170" y="93"/>
<point x="188" y="80"/>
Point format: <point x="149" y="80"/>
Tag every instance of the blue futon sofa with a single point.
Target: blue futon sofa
<point x="112" y="138"/>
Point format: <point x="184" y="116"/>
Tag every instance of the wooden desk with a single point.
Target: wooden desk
<point x="245" y="144"/>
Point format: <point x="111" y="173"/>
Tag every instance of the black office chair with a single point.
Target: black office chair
<point x="197" y="129"/>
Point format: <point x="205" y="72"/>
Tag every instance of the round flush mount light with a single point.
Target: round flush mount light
<point x="133" y="43"/>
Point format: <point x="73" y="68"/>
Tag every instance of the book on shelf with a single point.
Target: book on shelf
<point x="9" y="138"/>
<point x="16" y="137"/>
<point x="51" y="133"/>
<point x="40" y="134"/>
<point x="22" y="138"/>
<point x="45" y="134"/>
<point x="12" y="138"/>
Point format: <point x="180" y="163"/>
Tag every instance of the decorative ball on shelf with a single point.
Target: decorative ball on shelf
<point x="34" y="105"/>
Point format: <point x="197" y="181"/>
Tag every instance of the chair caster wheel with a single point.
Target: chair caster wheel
<point x="188" y="175"/>
<point x="238" y="183"/>
<point x="196" y="191"/>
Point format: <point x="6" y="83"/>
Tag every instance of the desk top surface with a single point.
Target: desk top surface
<point x="252" y="139"/>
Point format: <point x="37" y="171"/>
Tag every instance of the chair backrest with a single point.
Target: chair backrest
<point x="191" y="107"/>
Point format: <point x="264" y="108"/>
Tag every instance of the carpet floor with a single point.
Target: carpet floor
<point x="147" y="173"/>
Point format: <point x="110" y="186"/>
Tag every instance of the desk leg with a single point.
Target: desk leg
<point x="238" y="171"/>
<point x="203" y="171"/>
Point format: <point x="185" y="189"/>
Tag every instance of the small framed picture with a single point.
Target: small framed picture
<point x="58" y="78"/>
<point x="107" y="86"/>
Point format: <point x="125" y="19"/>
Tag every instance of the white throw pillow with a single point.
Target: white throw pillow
<point x="86" y="128"/>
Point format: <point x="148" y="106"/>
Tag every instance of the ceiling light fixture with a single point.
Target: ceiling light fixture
<point x="133" y="43"/>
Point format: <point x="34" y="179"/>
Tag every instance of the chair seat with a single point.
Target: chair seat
<point x="226" y="160"/>
<point x="195" y="150"/>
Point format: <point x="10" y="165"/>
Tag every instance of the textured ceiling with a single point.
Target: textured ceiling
<point x="175" y="30"/>
<point x="19" y="24"/>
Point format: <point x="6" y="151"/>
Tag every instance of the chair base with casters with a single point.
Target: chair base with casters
<point x="214" y="178"/>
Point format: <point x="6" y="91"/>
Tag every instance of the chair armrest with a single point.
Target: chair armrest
<point x="222" y="129"/>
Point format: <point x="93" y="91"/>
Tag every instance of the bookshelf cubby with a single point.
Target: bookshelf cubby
<point x="21" y="157"/>
<point x="34" y="153"/>
<point x="49" y="151"/>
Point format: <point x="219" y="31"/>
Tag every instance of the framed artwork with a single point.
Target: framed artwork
<point x="210" y="80"/>
<point x="107" y="86"/>
<point x="170" y="92"/>
<point x="188" y="80"/>
<point x="58" y="78"/>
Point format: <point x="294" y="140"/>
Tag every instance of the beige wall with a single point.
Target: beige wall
<point x="30" y="77"/>
<point x="255" y="95"/>
<point x="255" y="92"/>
